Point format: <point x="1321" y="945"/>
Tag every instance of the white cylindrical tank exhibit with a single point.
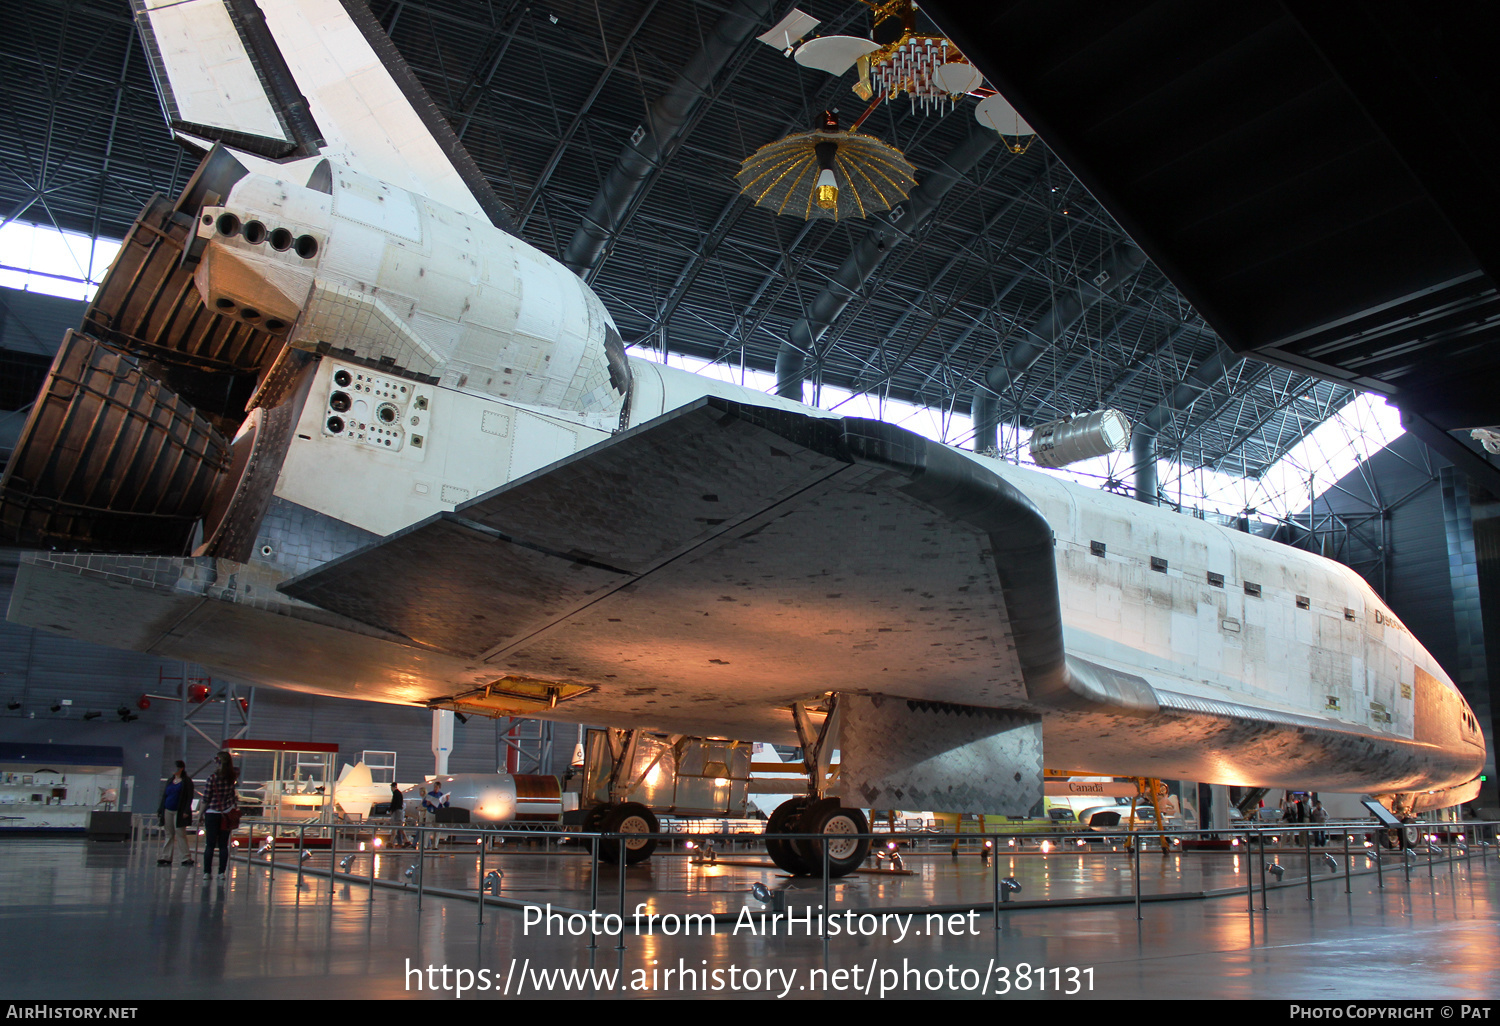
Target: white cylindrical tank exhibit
<point x="504" y="797"/>
<point x="1060" y="442"/>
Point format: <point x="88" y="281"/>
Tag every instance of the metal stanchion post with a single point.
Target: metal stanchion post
<point x="995" y="903"/>
<point x="1307" y="851"/>
<point x="372" y="870"/>
<point x="827" y="885"/>
<point x="421" y="871"/>
<point x="333" y="860"/>
<point x="1265" y="904"/>
<point x="594" y="889"/>
<point x="1136" y="858"/>
<point x="1249" y="878"/>
<point x="1346" y="863"/>
<point x="271" y="840"/>
<point x="481" y="882"/>
<point x="301" y="847"/>
<point x="620" y="857"/>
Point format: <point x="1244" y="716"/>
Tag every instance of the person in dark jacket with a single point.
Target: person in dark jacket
<point x="175" y="813"/>
<point x="219" y="799"/>
<point x="398" y="816"/>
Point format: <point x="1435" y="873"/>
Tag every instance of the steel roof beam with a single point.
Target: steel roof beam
<point x="1116" y="269"/>
<point x="524" y="214"/>
<point x="869" y="254"/>
<point x="669" y="116"/>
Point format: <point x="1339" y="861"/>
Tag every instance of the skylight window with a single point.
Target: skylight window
<point x="45" y="260"/>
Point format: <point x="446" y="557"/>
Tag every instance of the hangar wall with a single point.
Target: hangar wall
<point x="39" y="669"/>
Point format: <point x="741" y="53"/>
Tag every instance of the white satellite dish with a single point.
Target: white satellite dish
<point x="834" y="54"/>
<point x="957" y="77"/>
<point x="997" y="113"/>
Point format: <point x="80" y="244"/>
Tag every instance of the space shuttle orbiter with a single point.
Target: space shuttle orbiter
<point x="330" y="426"/>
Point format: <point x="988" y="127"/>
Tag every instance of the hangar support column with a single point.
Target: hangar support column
<point x="1116" y="269"/>
<point x="1143" y="456"/>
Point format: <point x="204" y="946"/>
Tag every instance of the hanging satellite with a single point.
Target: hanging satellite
<point x="788" y="32"/>
<point x="995" y="111"/>
<point x="826" y="173"/>
<point x="903" y="57"/>
<point x="1060" y="442"/>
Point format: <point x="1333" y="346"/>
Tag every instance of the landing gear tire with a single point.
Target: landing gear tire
<point x="784" y="821"/>
<point x="594" y="817"/>
<point x="846" y="850"/>
<point x="627" y="818"/>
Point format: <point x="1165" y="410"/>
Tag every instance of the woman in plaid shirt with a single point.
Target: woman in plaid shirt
<point x="218" y="798"/>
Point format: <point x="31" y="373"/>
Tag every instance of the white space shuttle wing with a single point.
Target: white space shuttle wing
<point x="289" y="79"/>
<point x="732" y="554"/>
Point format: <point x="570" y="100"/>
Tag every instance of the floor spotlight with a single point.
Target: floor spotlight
<point x="92" y="714"/>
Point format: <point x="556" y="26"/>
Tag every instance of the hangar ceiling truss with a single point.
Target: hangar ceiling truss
<point x="547" y="96"/>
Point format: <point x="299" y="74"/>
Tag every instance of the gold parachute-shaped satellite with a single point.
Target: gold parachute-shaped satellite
<point x="826" y="173"/>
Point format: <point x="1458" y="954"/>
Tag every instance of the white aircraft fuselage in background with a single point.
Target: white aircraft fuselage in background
<point x="443" y="359"/>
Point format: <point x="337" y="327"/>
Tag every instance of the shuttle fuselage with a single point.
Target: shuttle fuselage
<point x="448" y="359"/>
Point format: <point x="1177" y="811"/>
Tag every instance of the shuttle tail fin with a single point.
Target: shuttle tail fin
<point x="290" y="79"/>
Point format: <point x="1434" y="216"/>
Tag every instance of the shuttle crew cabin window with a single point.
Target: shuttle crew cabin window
<point x="1217" y="580"/>
<point x="1158" y="564"/>
<point x="1252" y="589"/>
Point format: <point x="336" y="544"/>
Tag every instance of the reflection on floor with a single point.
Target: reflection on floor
<point x="83" y="919"/>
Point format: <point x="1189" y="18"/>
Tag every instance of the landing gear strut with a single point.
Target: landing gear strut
<point x="815" y="814"/>
<point x="618" y="816"/>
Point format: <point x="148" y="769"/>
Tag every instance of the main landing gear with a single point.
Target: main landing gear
<point x="846" y="850"/>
